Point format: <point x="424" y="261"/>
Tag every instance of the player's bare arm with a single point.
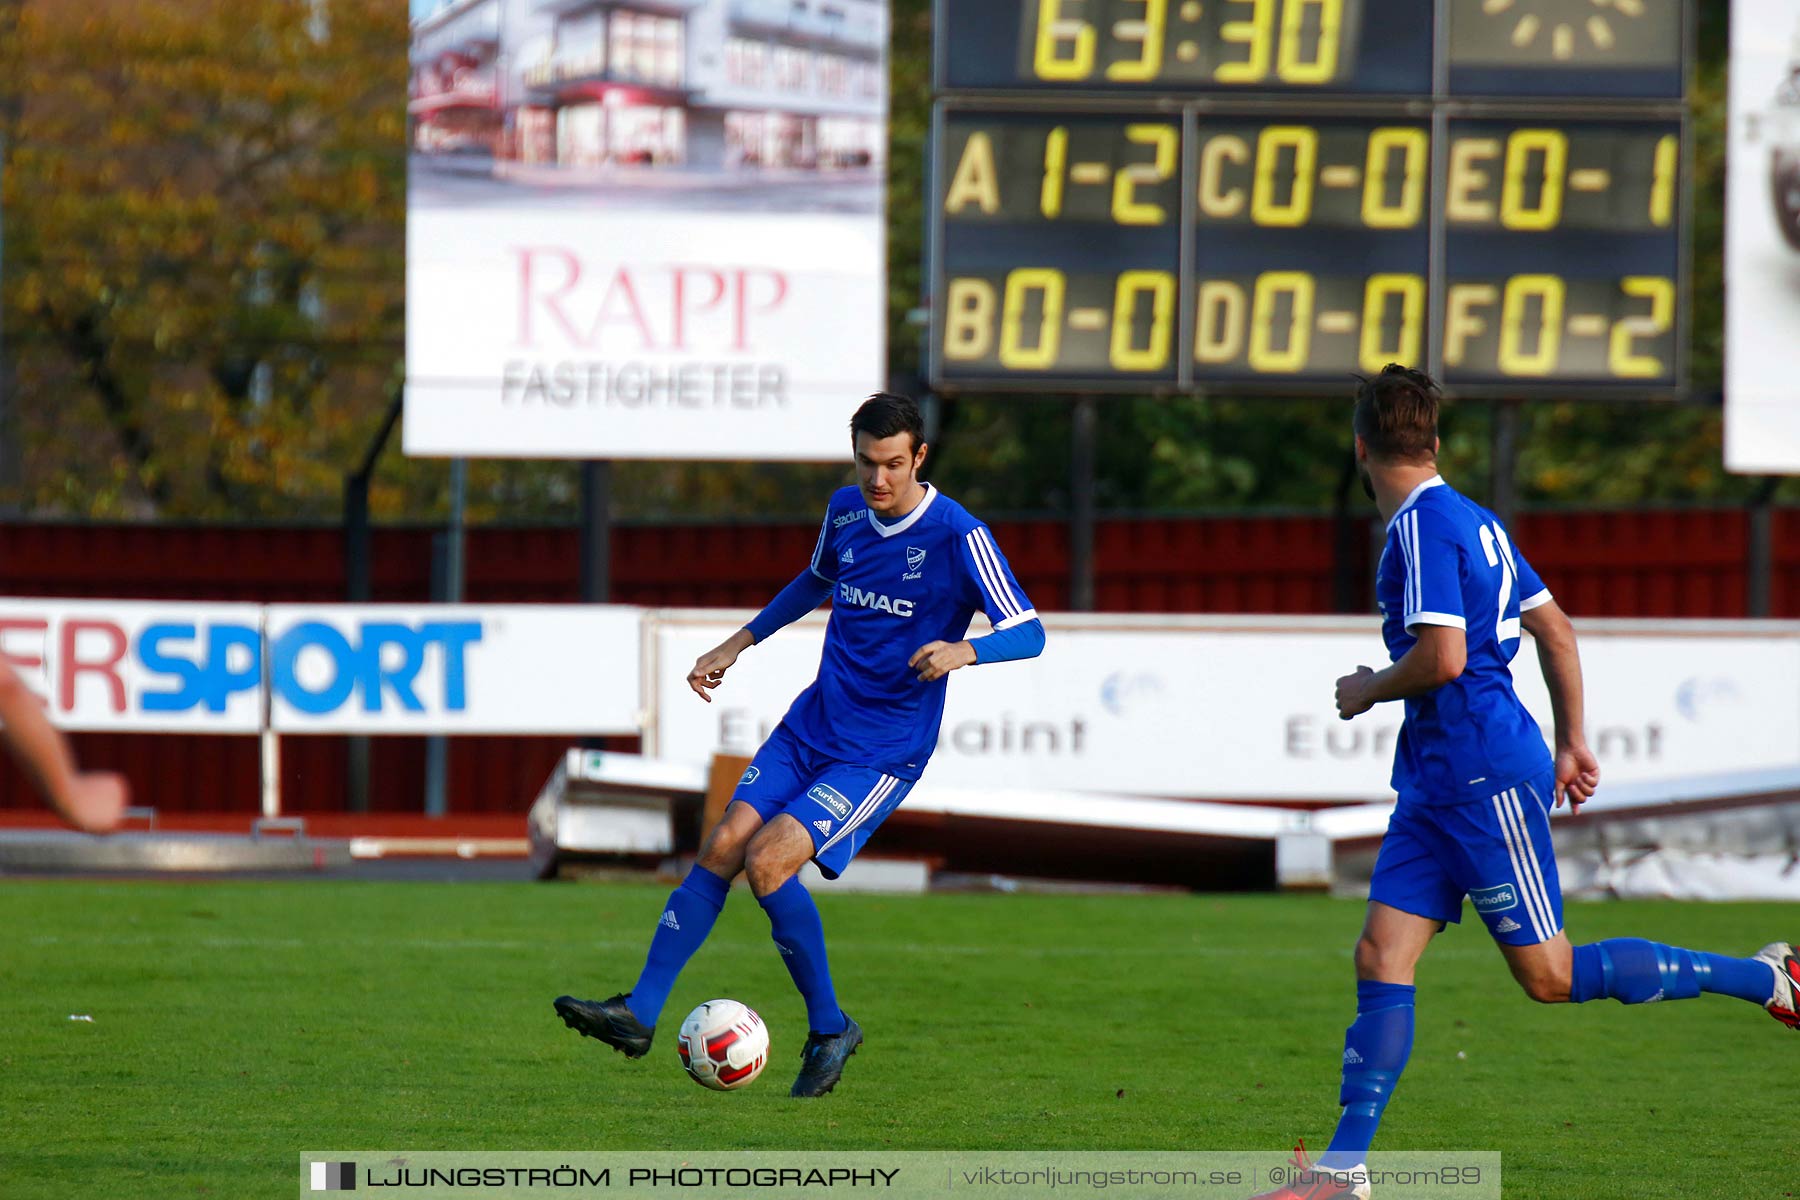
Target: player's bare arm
<point x="709" y="669"/>
<point x="91" y="801"/>
<point x="1434" y="660"/>
<point x="1577" y="770"/>
<point x="934" y="660"/>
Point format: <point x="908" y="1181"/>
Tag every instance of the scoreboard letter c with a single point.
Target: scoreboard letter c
<point x="1217" y="201"/>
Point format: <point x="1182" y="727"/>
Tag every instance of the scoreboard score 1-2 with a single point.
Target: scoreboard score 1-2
<point x="1114" y="210"/>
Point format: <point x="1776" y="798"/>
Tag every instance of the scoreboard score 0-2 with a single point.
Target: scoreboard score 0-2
<point x="1114" y="210"/>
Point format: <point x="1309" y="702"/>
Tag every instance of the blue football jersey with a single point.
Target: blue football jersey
<point x="1448" y="561"/>
<point x="895" y="587"/>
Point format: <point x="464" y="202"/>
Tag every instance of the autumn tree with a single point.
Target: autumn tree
<point x="205" y="214"/>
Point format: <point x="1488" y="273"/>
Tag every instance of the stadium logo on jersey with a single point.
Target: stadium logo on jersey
<point x="823" y="825"/>
<point x="874" y="600"/>
<point x="915" y="558"/>
<point x="1507" y="925"/>
<point x="1498" y="898"/>
<point x="751" y="775"/>
<point x="848" y="517"/>
<point x="847" y="557"/>
<point x="831" y="799"/>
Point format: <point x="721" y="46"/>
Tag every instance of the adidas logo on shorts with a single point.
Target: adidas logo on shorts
<point x="822" y="826"/>
<point x="1507" y="925"/>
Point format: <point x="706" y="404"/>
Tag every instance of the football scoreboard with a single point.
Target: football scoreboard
<point x="1269" y="195"/>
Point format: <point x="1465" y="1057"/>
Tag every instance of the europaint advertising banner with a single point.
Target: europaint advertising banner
<point x="645" y="232"/>
<point x="1244" y="709"/>
<point x="1762" y="240"/>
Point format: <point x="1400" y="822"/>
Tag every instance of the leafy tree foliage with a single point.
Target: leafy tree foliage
<point x="204" y="295"/>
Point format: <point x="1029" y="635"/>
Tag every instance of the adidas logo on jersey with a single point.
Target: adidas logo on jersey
<point x="822" y="826"/>
<point x="1351" y="1057"/>
<point x="847" y="557"/>
<point x="668" y="919"/>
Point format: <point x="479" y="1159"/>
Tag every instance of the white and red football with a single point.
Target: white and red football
<point x="723" y="1044"/>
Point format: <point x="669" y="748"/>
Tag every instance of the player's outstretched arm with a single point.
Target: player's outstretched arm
<point x="1439" y="655"/>
<point x="709" y="669"/>
<point x="805" y="593"/>
<point x="92" y="801"/>
<point x="1577" y="770"/>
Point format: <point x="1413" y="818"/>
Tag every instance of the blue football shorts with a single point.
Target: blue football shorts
<point x="840" y="804"/>
<point x="1497" y="852"/>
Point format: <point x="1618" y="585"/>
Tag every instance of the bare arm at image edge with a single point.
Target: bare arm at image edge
<point x="1577" y="771"/>
<point x="92" y="801"/>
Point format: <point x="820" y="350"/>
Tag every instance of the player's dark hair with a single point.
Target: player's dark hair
<point x="1397" y="415"/>
<point x="886" y="414"/>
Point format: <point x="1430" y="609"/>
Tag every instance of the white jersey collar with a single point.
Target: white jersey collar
<point x="909" y="520"/>
<point x="1434" y="481"/>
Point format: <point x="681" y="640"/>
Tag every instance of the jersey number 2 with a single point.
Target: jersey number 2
<point x="1499" y="554"/>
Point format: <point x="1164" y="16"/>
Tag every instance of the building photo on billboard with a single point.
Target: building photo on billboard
<point x="1762" y="310"/>
<point x="755" y="105"/>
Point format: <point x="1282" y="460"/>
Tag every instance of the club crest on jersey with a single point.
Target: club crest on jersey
<point x="856" y="596"/>
<point x="915" y="558"/>
<point x="831" y="799"/>
<point x="1498" y="898"/>
<point x="751" y="775"/>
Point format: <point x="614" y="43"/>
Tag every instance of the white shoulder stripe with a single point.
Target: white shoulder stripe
<point x="1418" y="560"/>
<point x="1406" y="567"/>
<point x="819" y="546"/>
<point x="990" y="582"/>
<point x="986" y="541"/>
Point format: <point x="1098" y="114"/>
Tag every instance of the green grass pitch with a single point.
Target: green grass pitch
<point x="237" y="1024"/>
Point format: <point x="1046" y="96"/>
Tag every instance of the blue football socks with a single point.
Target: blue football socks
<point x="1634" y="971"/>
<point x="800" y="936"/>
<point x="1376" y="1047"/>
<point x="687" y="919"/>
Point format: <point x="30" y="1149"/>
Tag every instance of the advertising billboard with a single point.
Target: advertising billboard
<point x="648" y="231"/>
<point x="525" y="669"/>
<point x="118" y="665"/>
<point x="240" y="668"/>
<point x="1762" y="240"/>
<point x="1210" y="708"/>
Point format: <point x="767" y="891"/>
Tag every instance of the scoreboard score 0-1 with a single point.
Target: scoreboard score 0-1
<point x="1244" y="195"/>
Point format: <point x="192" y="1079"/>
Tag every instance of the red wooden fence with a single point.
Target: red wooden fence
<point x="1653" y="563"/>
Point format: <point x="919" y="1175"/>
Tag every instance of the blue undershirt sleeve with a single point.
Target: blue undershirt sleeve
<point x="805" y="593"/>
<point x="1011" y="644"/>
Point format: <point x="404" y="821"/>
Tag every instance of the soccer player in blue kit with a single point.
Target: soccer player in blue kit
<point x="1474" y="779"/>
<point x="906" y="568"/>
